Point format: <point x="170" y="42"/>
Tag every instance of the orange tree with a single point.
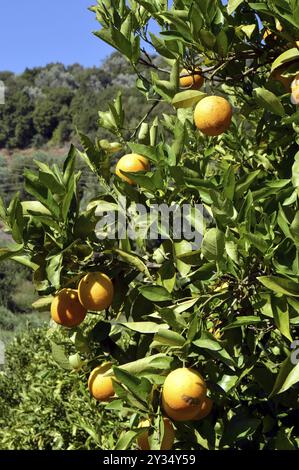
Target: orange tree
<point x="229" y="309"/>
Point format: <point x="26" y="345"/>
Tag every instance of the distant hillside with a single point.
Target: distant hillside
<point x="46" y="104"/>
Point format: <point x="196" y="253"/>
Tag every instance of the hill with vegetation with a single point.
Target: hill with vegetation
<point x="45" y="105"/>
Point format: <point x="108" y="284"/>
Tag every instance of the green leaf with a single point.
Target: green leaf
<point x="228" y="382"/>
<point x="16" y="218"/>
<point x="43" y="303"/>
<point x="248" y="29"/>
<point x="67" y="200"/>
<point x="92" y="156"/>
<point x="269" y="101"/>
<point x="69" y="165"/>
<point x="54" y="268"/>
<point x="147" y="365"/>
<point x="257" y="241"/>
<point x="245" y="183"/>
<point x="150" y="152"/>
<point x="208" y="341"/>
<point x="144" y="327"/>
<point x="295" y="171"/>
<point x="181" y="248"/>
<point x="294" y="227"/>
<point x="207" y="38"/>
<point x="144" y="181"/>
<point x="40" y="192"/>
<point x="243" y="321"/>
<point x="116" y="39"/>
<point x="281" y="316"/>
<point x="280" y="285"/>
<point x="163" y="49"/>
<point x="34" y="207"/>
<point x="169" y="338"/>
<point x="288" y="375"/>
<point x="139" y="387"/>
<point x="134" y="260"/>
<point x="60" y="356"/>
<point x="25" y="261"/>
<point x="287" y="56"/>
<point x="190" y="257"/>
<point x="233" y="5"/>
<point x="184" y="306"/>
<point x="231" y="249"/>
<point x="213" y="244"/>
<point x="126" y="439"/>
<point x="155" y="293"/>
<point x="229" y="183"/>
<point x="50" y="181"/>
<point x="6" y="253"/>
<point x="187" y="98"/>
<point x="239" y="428"/>
<point x="167" y="275"/>
<point x="222" y="43"/>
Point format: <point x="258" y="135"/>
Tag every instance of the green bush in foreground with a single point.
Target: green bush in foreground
<point x="44" y="407"/>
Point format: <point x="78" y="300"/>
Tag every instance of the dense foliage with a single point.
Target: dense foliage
<point x="47" y="104"/>
<point x="43" y="407"/>
<point x="229" y="309"/>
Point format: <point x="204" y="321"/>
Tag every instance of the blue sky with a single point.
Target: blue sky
<point x="36" y="32"/>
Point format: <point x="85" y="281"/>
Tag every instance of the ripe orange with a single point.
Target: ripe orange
<point x="168" y="438"/>
<point x="183" y="389"/>
<point x="204" y="409"/>
<point x="96" y="291"/>
<point x="191" y="79"/>
<point x="180" y="415"/>
<point x="213" y="115"/>
<point x="66" y="309"/>
<point x="195" y="413"/>
<point x="133" y="163"/>
<point x="99" y="386"/>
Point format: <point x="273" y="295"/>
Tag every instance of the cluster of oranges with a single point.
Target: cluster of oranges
<point x="184" y="398"/>
<point x="290" y="83"/>
<point x="95" y="292"/>
<point x="212" y="116"/>
<point x="184" y="393"/>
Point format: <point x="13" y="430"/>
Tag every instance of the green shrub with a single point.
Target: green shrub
<point x="45" y="407"/>
<point x="12" y="324"/>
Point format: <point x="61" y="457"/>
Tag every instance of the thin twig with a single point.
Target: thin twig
<point x="144" y="118"/>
